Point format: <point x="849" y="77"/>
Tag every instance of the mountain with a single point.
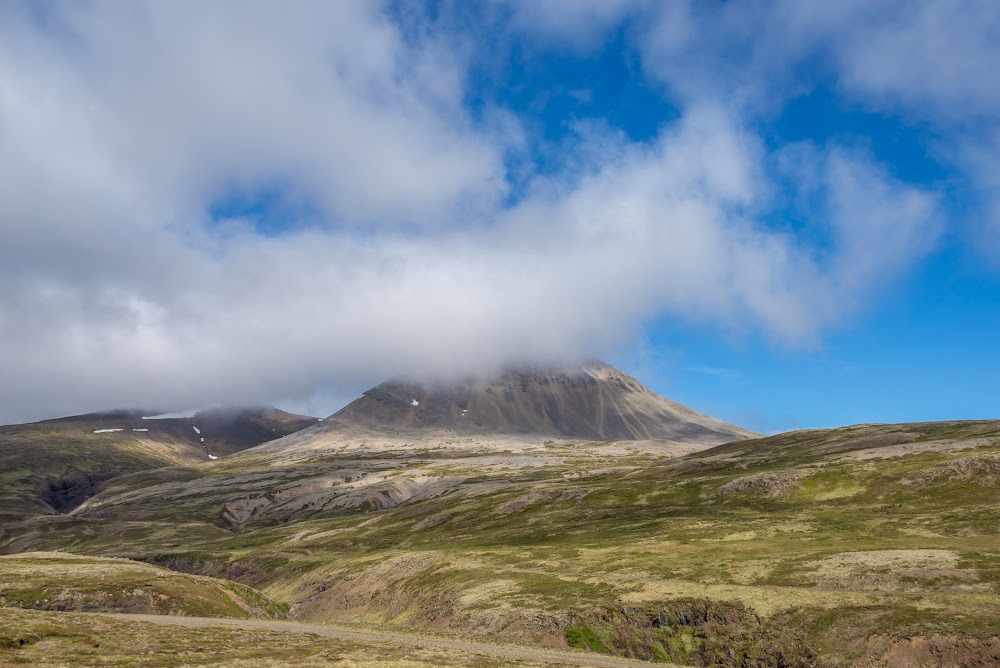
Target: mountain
<point x="522" y="418"/>
<point x="596" y="402"/>
<point x="54" y="465"/>
<point x="217" y="431"/>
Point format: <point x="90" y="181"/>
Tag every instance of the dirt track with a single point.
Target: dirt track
<point x="558" y="657"/>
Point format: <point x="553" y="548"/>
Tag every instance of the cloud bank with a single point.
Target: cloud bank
<point x="203" y="203"/>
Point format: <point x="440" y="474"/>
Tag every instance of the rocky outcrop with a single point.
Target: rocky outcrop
<point x="771" y="485"/>
<point x="375" y="492"/>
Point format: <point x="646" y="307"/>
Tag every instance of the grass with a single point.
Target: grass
<point x="650" y="538"/>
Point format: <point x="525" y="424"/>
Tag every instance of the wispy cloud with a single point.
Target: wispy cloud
<point x="722" y="373"/>
<point x="762" y="423"/>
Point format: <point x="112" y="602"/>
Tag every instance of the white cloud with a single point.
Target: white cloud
<point x="933" y="58"/>
<point x="926" y="62"/>
<point x="162" y="111"/>
<point x="121" y="124"/>
<point x="981" y="157"/>
<point x="930" y="61"/>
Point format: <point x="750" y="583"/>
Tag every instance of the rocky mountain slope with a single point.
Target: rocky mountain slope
<point x="596" y="402"/>
<point x="54" y="465"/>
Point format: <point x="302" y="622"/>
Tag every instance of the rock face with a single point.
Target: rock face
<point x="596" y="402"/>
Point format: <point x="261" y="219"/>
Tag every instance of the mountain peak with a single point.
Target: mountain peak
<point x="593" y="402"/>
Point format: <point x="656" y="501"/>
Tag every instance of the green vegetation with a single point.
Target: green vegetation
<point x="583" y="636"/>
<point x="811" y="548"/>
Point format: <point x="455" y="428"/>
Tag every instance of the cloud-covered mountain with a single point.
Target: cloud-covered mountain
<point x="595" y="402"/>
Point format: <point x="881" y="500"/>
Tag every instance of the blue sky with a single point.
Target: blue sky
<point x="925" y="352"/>
<point x="782" y="213"/>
